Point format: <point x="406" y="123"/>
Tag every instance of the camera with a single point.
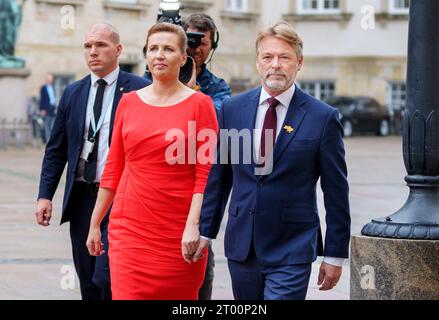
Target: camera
<point x="194" y="39"/>
<point x="169" y="11"/>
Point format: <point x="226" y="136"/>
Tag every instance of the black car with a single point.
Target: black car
<point x="361" y="114"/>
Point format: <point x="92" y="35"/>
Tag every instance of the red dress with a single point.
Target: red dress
<point x="153" y="197"/>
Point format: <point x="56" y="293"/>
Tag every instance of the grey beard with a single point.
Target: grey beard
<point x="277" y="85"/>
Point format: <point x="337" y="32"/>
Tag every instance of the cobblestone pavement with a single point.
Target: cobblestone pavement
<point x="35" y="262"/>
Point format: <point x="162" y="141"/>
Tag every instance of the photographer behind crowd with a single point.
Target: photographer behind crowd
<point x="209" y="84"/>
<point x="214" y="87"/>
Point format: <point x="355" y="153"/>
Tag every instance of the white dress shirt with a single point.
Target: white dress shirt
<point x="107" y="106"/>
<point x="51" y="93"/>
<point x="281" y="112"/>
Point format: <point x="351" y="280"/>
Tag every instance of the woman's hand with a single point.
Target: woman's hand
<point x="94" y="243"/>
<point x="191" y="234"/>
<point x="190" y="241"/>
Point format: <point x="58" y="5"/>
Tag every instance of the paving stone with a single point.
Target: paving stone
<point x="32" y="258"/>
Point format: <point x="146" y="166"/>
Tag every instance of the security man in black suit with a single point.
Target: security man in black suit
<point x="80" y="138"/>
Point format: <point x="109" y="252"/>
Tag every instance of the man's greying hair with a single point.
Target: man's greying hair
<point x="201" y="22"/>
<point x="284" y="31"/>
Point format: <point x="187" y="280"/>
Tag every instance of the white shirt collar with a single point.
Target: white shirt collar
<point x="109" y="78"/>
<point x="284" y="98"/>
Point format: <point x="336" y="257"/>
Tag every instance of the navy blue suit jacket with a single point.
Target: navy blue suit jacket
<point x="45" y="100"/>
<point x="66" y="141"/>
<point x="278" y="212"/>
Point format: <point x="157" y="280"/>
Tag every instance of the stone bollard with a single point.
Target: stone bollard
<point x="394" y="269"/>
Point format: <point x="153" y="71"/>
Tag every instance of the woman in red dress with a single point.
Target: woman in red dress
<point x="155" y="188"/>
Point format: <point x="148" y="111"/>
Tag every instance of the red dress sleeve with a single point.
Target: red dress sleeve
<point x="116" y="156"/>
<point x="207" y="131"/>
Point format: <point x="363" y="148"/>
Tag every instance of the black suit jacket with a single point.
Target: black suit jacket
<point x="66" y="141"/>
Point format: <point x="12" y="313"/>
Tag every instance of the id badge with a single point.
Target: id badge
<point x="87" y="149"/>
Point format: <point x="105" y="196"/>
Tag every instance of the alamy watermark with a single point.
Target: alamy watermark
<point x="235" y="147"/>
<point x="67" y="21"/>
<point x="68" y="279"/>
<point x="368" y="19"/>
<point x="367" y="281"/>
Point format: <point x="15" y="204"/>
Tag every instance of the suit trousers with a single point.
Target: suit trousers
<point x="205" y="292"/>
<point x="48" y="125"/>
<point x="93" y="272"/>
<point x="253" y="281"/>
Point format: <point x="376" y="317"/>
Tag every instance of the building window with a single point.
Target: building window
<point x="396" y="96"/>
<point x="321" y="90"/>
<point x="318" y="6"/>
<point x="60" y="82"/>
<point x="236" y="5"/>
<point x="399" y="6"/>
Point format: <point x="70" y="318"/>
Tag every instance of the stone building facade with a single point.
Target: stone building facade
<point x="351" y="47"/>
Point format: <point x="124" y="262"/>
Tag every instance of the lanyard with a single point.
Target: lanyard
<point x="97" y="127"/>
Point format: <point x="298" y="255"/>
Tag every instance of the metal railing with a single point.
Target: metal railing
<point x="19" y="133"/>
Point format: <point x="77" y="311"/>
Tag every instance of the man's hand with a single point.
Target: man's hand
<point x="44" y="212"/>
<point x="328" y="276"/>
<point x="201" y="248"/>
<point x="193" y="81"/>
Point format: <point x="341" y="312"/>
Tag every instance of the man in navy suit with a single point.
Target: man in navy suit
<point x="47" y="106"/>
<point x="81" y="137"/>
<point x="273" y="230"/>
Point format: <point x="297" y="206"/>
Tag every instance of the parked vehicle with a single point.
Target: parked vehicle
<point x="361" y="114"/>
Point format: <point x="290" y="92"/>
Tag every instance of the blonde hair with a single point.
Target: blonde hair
<point x="284" y="31"/>
<point x="167" y="27"/>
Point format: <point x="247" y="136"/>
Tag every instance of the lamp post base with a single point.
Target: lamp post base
<point x="417" y="219"/>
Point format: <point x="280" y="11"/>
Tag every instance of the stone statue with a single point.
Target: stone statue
<point x="10" y="20"/>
